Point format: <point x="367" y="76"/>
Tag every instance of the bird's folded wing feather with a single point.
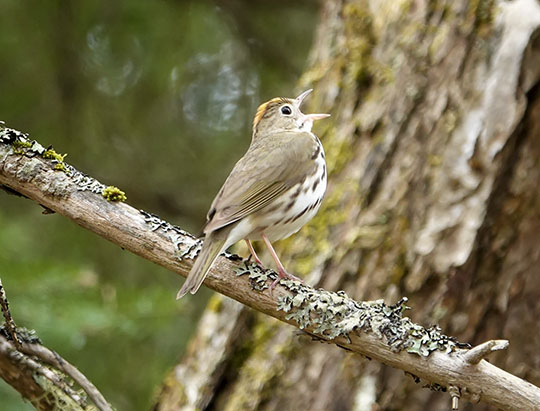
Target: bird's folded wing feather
<point x="262" y="175"/>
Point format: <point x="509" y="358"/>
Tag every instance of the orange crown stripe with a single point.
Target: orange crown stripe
<point x="263" y="107"/>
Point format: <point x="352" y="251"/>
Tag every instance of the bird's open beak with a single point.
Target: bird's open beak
<point x="302" y="96"/>
<point x="309" y="117"/>
<point x="314" y="117"/>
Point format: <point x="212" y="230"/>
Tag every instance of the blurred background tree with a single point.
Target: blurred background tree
<point x="434" y="162"/>
<point x="156" y="98"/>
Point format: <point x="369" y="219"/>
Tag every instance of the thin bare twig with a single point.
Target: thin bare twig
<point x="478" y="353"/>
<point x="9" y="323"/>
<point x="454" y="395"/>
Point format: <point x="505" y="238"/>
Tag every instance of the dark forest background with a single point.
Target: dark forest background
<point x="156" y="98"/>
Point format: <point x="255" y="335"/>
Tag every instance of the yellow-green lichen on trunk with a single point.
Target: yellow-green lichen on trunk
<point x="55" y="396"/>
<point x="266" y="361"/>
<point x="360" y="41"/>
<point x="484" y="12"/>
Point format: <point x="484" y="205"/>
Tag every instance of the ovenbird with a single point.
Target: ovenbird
<point x="272" y="191"/>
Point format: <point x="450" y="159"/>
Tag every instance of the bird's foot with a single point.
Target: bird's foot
<point x="284" y="275"/>
<point x="257" y="262"/>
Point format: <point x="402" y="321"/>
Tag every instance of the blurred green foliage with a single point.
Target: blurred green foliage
<point x="156" y="98"/>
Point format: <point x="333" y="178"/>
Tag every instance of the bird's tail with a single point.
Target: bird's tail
<point x="212" y="247"/>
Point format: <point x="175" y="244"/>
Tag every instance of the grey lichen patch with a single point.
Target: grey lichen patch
<point x="29" y="170"/>
<point x="23" y="334"/>
<point x="58" y="186"/>
<point x="85" y="182"/>
<point x="257" y="276"/>
<point x="426" y="340"/>
<point x="56" y="397"/>
<point x="21" y="143"/>
<point x="186" y="245"/>
<point x="331" y="315"/>
<point x="112" y="193"/>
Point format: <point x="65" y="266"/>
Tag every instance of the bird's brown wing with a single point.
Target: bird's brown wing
<point x="266" y="171"/>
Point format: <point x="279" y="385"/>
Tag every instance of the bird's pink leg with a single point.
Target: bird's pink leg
<point x="281" y="270"/>
<point x="254" y="254"/>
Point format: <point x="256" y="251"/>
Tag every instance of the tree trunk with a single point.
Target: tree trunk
<point x="433" y="153"/>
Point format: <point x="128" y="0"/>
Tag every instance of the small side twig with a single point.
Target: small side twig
<point x="455" y="394"/>
<point x="476" y="354"/>
<point x="10" y="324"/>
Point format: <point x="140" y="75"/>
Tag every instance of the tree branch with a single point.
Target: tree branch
<point x="8" y="319"/>
<point x="52" y="358"/>
<point x="23" y="372"/>
<point x="44" y="388"/>
<point x="372" y="329"/>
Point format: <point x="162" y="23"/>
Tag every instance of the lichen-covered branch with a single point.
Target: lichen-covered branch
<point x="372" y="329"/>
<point x="24" y="364"/>
<point x="53" y="359"/>
<point x="43" y="387"/>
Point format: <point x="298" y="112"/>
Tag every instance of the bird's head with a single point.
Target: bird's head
<point x="283" y="114"/>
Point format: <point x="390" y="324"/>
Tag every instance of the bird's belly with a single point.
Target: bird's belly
<point x="282" y="230"/>
<point x="290" y="212"/>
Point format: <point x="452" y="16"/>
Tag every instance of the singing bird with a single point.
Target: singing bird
<point x="272" y="191"/>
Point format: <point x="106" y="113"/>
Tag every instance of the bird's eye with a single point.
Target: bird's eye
<point x="286" y="110"/>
